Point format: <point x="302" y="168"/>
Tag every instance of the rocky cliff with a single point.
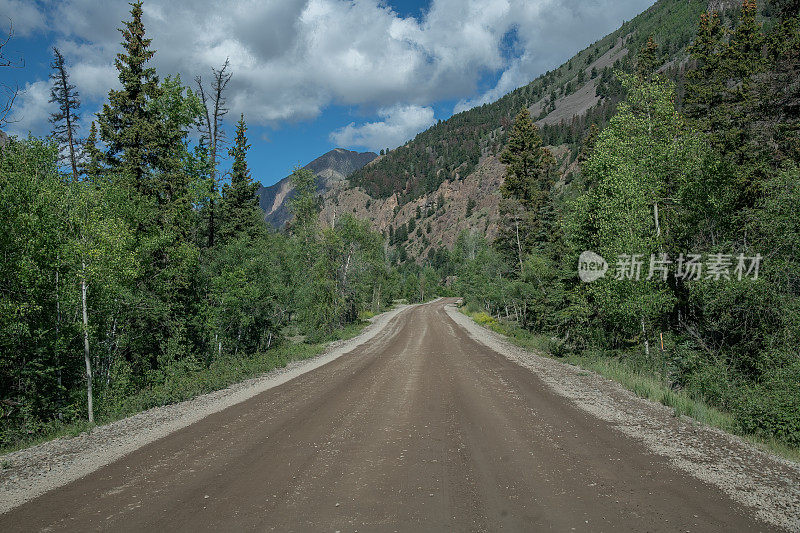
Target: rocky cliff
<point x="331" y="170"/>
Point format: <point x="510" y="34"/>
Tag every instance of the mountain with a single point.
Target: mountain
<point x="447" y="178"/>
<point x="331" y="170"/>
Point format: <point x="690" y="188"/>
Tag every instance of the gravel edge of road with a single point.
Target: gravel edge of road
<point x="55" y="463"/>
<point x="766" y="485"/>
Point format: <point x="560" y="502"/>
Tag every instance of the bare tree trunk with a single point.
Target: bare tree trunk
<point x="655" y="216"/>
<point x="646" y="342"/>
<point x="86" y="357"/>
<point x="211" y="203"/>
<point x="519" y="245"/>
<point x="58" y="323"/>
<point x="212" y="131"/>
<point x="73" y="159"/>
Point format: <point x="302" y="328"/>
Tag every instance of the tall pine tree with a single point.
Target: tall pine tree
<point x="704" y="83"/>
<point x="526" y="188"/>
<point x="128" y="124"/>
<point x="240" y="213"/>
<point x="91" y="161"/>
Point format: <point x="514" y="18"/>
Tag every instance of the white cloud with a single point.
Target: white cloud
<point x="31" y="109"/>
<point x="293" y="58"/>
<point x="550" y="32"/>
<point x="94" y="80"/>
<point x="399" y="124"/>
<point x="24" y="16"/>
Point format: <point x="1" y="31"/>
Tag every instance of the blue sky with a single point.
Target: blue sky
<point x="312" y="75"/>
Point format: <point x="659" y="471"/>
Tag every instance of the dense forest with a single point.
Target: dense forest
<point x="693" y="203"/>
<point x="137" y="272"/>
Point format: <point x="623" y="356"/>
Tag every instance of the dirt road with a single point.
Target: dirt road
<point x="421" y="429"/>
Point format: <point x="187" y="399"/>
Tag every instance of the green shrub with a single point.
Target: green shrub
<point x="772" y="409"/>
<point x="484" y="319"/>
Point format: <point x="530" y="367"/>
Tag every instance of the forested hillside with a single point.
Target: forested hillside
<point x="452" y="149"/>
<point x="456" y="162"/>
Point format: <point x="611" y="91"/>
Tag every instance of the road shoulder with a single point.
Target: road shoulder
<point x="767" y="485"/>
<point x="44" y="467"/>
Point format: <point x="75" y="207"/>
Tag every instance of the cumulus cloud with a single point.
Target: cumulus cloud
<point x="25" y="16"/>
<point x="549" y="32"/>
<point x="398" y="124"/>
<point x="31" y="109"/>
<point x="293" y="58"/>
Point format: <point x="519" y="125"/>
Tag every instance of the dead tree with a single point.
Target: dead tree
<point x="7" y="92"/>
<point x="212" y="134"/>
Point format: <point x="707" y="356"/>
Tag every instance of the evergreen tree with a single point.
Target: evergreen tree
<point x="780" y="86"/>
<point x="65" y="120"/>
<point x="526" y="187"/>
<point x="704" y="81"/>
<point x="744" y="53"/>
<point x="529" y="165"/>
<point x="176" y="110"/>
<point x="128" y="124"/>
<point x="240" y="212"/>
<point x="91" y="162"/>
<point x="647" y="60"/>
<point x="588" y="143"/>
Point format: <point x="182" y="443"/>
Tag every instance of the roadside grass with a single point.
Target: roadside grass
<point x="184" y="383"/>
<point x="645" y="385"/>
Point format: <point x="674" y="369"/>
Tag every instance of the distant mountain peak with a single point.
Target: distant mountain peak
<point x="331" y="169"/>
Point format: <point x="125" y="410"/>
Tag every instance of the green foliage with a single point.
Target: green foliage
<point x="239" y="209"/>
<point x="169" y="312"/>
<point x="304" y="205"/>
<point x="771" y="408"/>
<point x="723" y="178"/>
<point x="348" y="275"/>
<point x="248" y="300"/>
<point x="640" y="162"/>
<point x="31" y="378"/>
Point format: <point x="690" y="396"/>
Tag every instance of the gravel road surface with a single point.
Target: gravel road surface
<point x="427" y="423"/>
